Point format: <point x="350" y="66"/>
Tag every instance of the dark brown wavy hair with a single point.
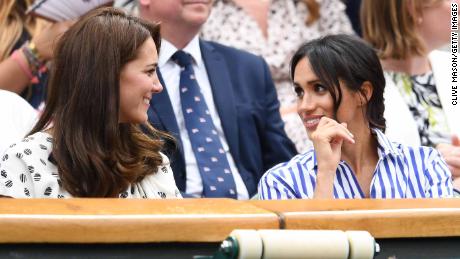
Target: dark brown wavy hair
<point x="96" y="155"/>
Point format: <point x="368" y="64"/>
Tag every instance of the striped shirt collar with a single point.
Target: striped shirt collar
<point x="386" y="146"/>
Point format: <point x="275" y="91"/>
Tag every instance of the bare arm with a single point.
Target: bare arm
<point x="12" y="76"/>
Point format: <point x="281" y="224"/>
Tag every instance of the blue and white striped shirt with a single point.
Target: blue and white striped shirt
<point x="401" y="172"/>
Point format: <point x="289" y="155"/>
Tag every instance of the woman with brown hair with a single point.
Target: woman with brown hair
<point x="89" y="141"/>
<point x="26" y="47"/>
<point x="274" y="29"/>
<point x="419" y="108"/>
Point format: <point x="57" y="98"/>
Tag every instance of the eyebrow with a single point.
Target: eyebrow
<point x="308" y="82"/>
<point x="153" y="65"/>
<point x="314" y="81"/>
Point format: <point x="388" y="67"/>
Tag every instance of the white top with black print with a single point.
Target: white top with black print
<point x="27" y="172"/>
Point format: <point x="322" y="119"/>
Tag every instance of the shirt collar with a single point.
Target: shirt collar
<point x="168" y="49"/>
<point x="386" y="147"/>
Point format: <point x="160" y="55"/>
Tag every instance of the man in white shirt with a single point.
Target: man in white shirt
<point x="239" y="97"/>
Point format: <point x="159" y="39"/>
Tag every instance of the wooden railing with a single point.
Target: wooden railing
<point x="382" y="218"/>
<point x="211" y="220"/>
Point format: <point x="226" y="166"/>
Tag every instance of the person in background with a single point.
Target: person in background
<point x="274" y="30"/>
<point x="352" y="11"/>
<point x="88" y="142"/>
<point x="339" y="83"/>
<point x="419" y="109"/>
<point x="17" y="118"/>
<point x="26" y="47"/>
<point x="219" y="101"/>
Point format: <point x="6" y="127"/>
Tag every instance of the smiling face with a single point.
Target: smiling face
<point x="315" y="100"/>
<point x="138" y="82"/>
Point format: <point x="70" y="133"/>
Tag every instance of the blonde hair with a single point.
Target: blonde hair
<point x="13" y="21"/>
<point x="389" y="26"/>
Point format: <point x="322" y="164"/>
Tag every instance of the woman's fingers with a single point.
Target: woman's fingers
<point x="352" y="140"/>
<point x="341" y="132"/>
<point x="453" y="163"/>
<point x="451" y="155"/>
<point x="329" y="130"/>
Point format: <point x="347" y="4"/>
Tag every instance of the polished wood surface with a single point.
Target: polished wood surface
<point x="117" y="220"/>
<point x="382" y="218"/>
<point x="211" y="220"/>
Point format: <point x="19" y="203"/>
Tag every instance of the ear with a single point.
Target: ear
<point x="365" y="93"/>
<point x="413" y="12"/>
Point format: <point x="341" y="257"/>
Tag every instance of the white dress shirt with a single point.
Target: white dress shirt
<point x="170" y="72"/>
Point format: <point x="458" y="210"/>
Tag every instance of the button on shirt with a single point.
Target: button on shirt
<point x="401" y="172"/>
<point x="170" y="73"/>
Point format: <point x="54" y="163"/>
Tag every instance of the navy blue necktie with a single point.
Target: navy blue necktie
<point x="210" y="156"/>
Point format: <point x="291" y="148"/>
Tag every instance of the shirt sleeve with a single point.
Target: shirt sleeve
<point x="439" y="178"/>
<point x="15" y="176"/>
<point x="273" y="186"/>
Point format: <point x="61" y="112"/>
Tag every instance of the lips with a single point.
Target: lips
<point x="311" y="122"/>
<point x="196" y="2"/>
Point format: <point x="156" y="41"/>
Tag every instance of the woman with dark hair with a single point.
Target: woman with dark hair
<point x="274" y="29"/>
<point x="339" y="84"/>
<point x="88" y="142"/>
